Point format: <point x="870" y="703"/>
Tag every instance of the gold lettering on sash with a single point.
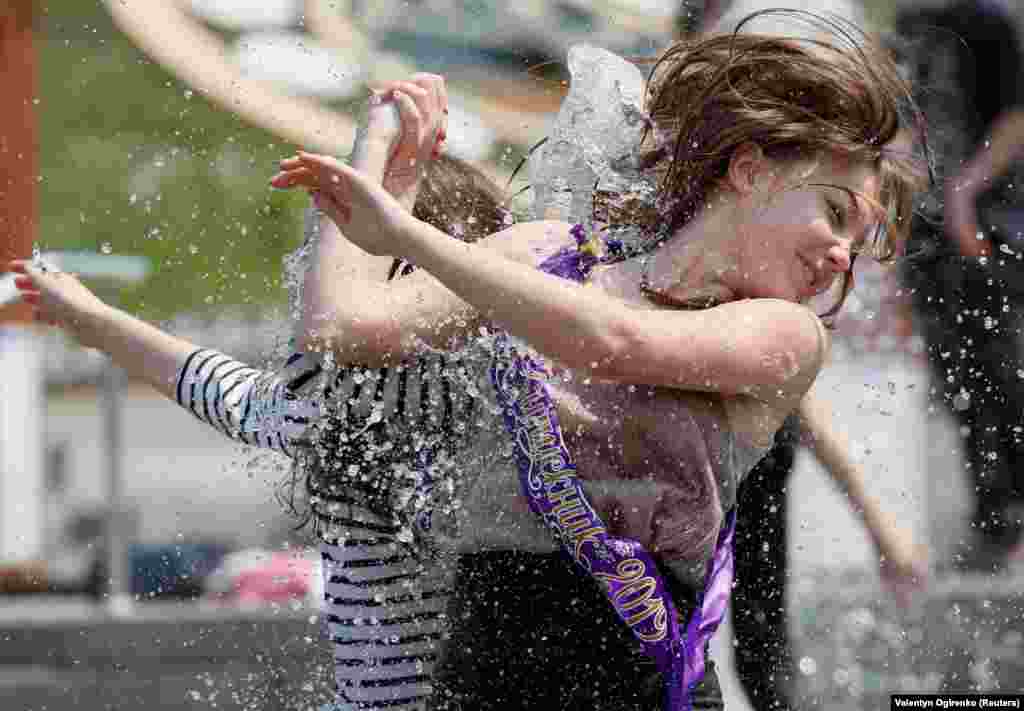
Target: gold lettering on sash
<point x="552" y="478"/>
<point x="544" y="448"/>
<point x="643" y="606"/>
<point x="561" y="494"/>
<point x="588" y="535"/>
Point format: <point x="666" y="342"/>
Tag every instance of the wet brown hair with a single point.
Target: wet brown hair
<point x="794" y="97"/>
<point x="458" y="199"/>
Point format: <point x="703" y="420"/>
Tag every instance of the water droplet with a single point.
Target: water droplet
<point x="962" y="401"/>
<point x="106" y="248"/>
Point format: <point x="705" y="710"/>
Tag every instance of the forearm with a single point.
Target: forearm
<point x="338" y="274"/>
<point x="557" y="317"/>
<point x="338" y="269"/>
<point x="246" y="404"/>
<point x="833" y="453"/>
<point x="144" y="351"/>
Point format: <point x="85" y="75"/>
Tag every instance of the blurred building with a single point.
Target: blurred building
<point x="21" y="383"/>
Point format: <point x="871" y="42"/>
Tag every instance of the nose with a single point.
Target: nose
<point x="838" y="256"/>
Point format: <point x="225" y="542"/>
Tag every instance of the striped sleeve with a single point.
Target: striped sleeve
<point x="258" y="407"/>
<point x="385" y="618"/>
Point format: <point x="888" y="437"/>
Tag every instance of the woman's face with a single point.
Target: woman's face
<point x="800" y="227"/>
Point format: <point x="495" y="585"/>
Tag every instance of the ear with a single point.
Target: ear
<point x="750" y="170"/>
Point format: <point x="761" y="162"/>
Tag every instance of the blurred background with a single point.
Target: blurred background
<point x="144" y="560"/>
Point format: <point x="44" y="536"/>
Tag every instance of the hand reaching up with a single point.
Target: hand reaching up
<point x="407" y="122"/>
<point x="423" y="112"/>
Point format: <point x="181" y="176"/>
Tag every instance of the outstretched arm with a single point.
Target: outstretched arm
<point x="144" y="351"/>
<point x="903" y="564"/>
<point x="765" y="348"/>
<point x="254" y="406"/>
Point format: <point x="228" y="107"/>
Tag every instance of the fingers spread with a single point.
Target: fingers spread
<point x="302" y="175"/>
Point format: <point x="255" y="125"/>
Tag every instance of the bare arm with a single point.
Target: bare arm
<point x="901" y="558"/>
<point x="765" y="348"/>
<point x="750" y="347"/>
<point x="338" y="270"/>
<point x="255" y="406"/>
<point x="756" y="347"/>
<point x="381" y="323"/>
<point x="405" y="126"/>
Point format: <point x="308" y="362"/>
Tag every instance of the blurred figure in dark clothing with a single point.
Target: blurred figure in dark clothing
<point x="964" y="264"/>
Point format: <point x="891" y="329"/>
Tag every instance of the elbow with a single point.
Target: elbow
<point x="611" y="353"/>
<point x="366" y="338"/>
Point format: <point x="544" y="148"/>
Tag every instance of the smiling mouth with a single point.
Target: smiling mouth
<point x="815" y="277"/>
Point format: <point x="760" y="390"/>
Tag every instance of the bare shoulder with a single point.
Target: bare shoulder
<point x="530" y="242"/>
<point x="769" y="349"/>
<point x="789" y="345"/>
<point x="778" y="326"/>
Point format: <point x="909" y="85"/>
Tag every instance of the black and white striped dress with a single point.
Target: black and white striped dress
<point x="377" y="444"/>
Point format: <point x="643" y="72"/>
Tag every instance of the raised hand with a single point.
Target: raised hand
<point x="405" y="128"/>
<point x="422" y="104"/>
<point x="58" y="299"/>
<point x="369" y="215"/>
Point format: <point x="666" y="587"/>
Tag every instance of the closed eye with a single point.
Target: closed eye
<point x="838" y="215"/>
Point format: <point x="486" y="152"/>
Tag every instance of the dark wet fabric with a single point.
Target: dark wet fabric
<point x="966" y="63"/>
<point x="531" y="631"/>
<point x="762" y="650"/>
<point x="968" y="311"/>
<point x="969" y="316"/>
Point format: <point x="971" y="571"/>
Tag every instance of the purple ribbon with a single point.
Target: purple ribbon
<point x="627" y="572"/>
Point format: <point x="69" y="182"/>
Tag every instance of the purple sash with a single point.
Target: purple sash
<point x="625" y="570"/>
